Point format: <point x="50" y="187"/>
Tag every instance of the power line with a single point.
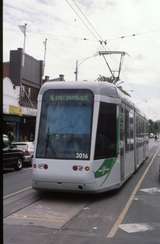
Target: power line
<point x="100" y="41"/>
<point x="81" y="19"/>
<point x="132" y="35"/>
<point x="93" y="28"/>
<point x="122" y="37"/>
<point x="87" y="19"/>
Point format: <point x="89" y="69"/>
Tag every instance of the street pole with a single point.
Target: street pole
<point x="76" y="71"/>
<point x="24" y="43"/>
<point x="23" y="29"/>
<point x="45" y="50"/>
<point x="79" y="63"/>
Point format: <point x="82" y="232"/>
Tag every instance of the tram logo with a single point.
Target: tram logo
<point x="105" y="167"/>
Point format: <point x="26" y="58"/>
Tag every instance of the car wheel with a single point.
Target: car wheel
<point x="19" y="164"/>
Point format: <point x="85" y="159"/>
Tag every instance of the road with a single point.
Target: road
<point x="14" y="181"/>
<point x="125" y="216"/>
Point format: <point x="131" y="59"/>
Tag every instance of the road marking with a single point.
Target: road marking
<point x="122" y="215"/>
<point x="135" y="227"/>
<point x="15" y="193"/>
<point x="151" y="190"/>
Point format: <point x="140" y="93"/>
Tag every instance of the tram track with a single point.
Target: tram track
<point x="24" y="197"/>
<point x="17" y="192"/>
<point x="18" y="200"/>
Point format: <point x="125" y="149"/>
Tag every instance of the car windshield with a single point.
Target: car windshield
<point x="65" y="125"/>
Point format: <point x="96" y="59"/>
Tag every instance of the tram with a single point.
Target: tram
<point x="90" y="137"/>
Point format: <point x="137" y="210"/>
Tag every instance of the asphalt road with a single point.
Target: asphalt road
<point x="14" y="181"/>
<point x="128" y="215"/>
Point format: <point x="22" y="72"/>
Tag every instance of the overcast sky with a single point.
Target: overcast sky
<point x="132" y="26"/>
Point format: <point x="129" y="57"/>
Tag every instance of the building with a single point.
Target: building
<point x="22" y="79"/>
<point x="60" y="78"/>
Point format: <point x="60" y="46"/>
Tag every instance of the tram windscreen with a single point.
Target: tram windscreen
<point x="65" y="125"/>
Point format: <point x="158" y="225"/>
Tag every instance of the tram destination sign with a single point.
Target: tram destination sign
<point x="69" y="98"/>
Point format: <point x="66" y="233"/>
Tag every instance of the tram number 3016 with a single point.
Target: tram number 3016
<point x="82" y="155"/>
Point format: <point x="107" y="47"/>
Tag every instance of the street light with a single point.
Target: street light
<point x="78" y="64"/>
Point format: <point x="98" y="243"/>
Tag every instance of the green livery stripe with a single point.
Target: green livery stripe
<point x="106" y="167"/>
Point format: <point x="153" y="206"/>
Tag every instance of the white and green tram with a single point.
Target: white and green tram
<point x="89" y="137"/>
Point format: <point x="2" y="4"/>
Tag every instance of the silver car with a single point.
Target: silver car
<point x="28" y="148"/>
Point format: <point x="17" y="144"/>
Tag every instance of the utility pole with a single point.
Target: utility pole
<point x="76" y="71"/>
<point x="23" y="29"/>
<point x="79" y="63"/>
<point x="45" y="51"/>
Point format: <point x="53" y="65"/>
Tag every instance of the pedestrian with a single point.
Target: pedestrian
<point x="11" y="136"/>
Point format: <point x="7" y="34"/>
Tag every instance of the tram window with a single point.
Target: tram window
<point x="131" y="129"/>
<point x="65" y="125"/>
<point x="106" y="131"/>
<point x="137" y="131"/>
<point x="127" y="139"/>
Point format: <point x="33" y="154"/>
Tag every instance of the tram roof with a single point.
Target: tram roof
<point x="97" y="87"/>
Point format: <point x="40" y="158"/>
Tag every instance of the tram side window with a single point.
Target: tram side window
<point x="131" y="129"/>
<point x="139" y="131"/>
<point x="106" y="132"/>
<point x="127" y="130"/>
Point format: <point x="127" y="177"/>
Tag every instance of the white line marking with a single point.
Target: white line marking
<point x="122" y="215"/>
<point x="15" y="193"/>
<point x="133" y="228"/>
<point x="151" y="190"/>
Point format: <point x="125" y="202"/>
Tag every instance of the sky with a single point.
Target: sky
<point x="132" y="26"/>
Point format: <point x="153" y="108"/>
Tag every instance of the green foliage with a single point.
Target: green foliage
<point x="104" y="78"/>
<point x="154" y="126"/>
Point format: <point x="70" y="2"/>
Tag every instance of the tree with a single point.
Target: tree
<point x="104" y="78"/>
<point x="154" y="126"/>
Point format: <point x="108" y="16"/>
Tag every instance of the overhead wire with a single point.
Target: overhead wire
<point x="100" y="40"/>
<point x="91" y="26"/>
<point x="81" y="19"/>
<point x="88" y="21"/>
<point x="96" y="35"/>
<point x="132" y="35"/>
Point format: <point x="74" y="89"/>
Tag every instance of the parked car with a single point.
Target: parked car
<point x="151" y="135"/>
<point x="12" y="157"/>
<point x="28" y="149"/>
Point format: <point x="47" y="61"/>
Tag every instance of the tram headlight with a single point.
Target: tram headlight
<point x="45" y="166"/>
<point x="75" y="167"/>
<point x="80" y="168"/>
<point x="87" y="168"/>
